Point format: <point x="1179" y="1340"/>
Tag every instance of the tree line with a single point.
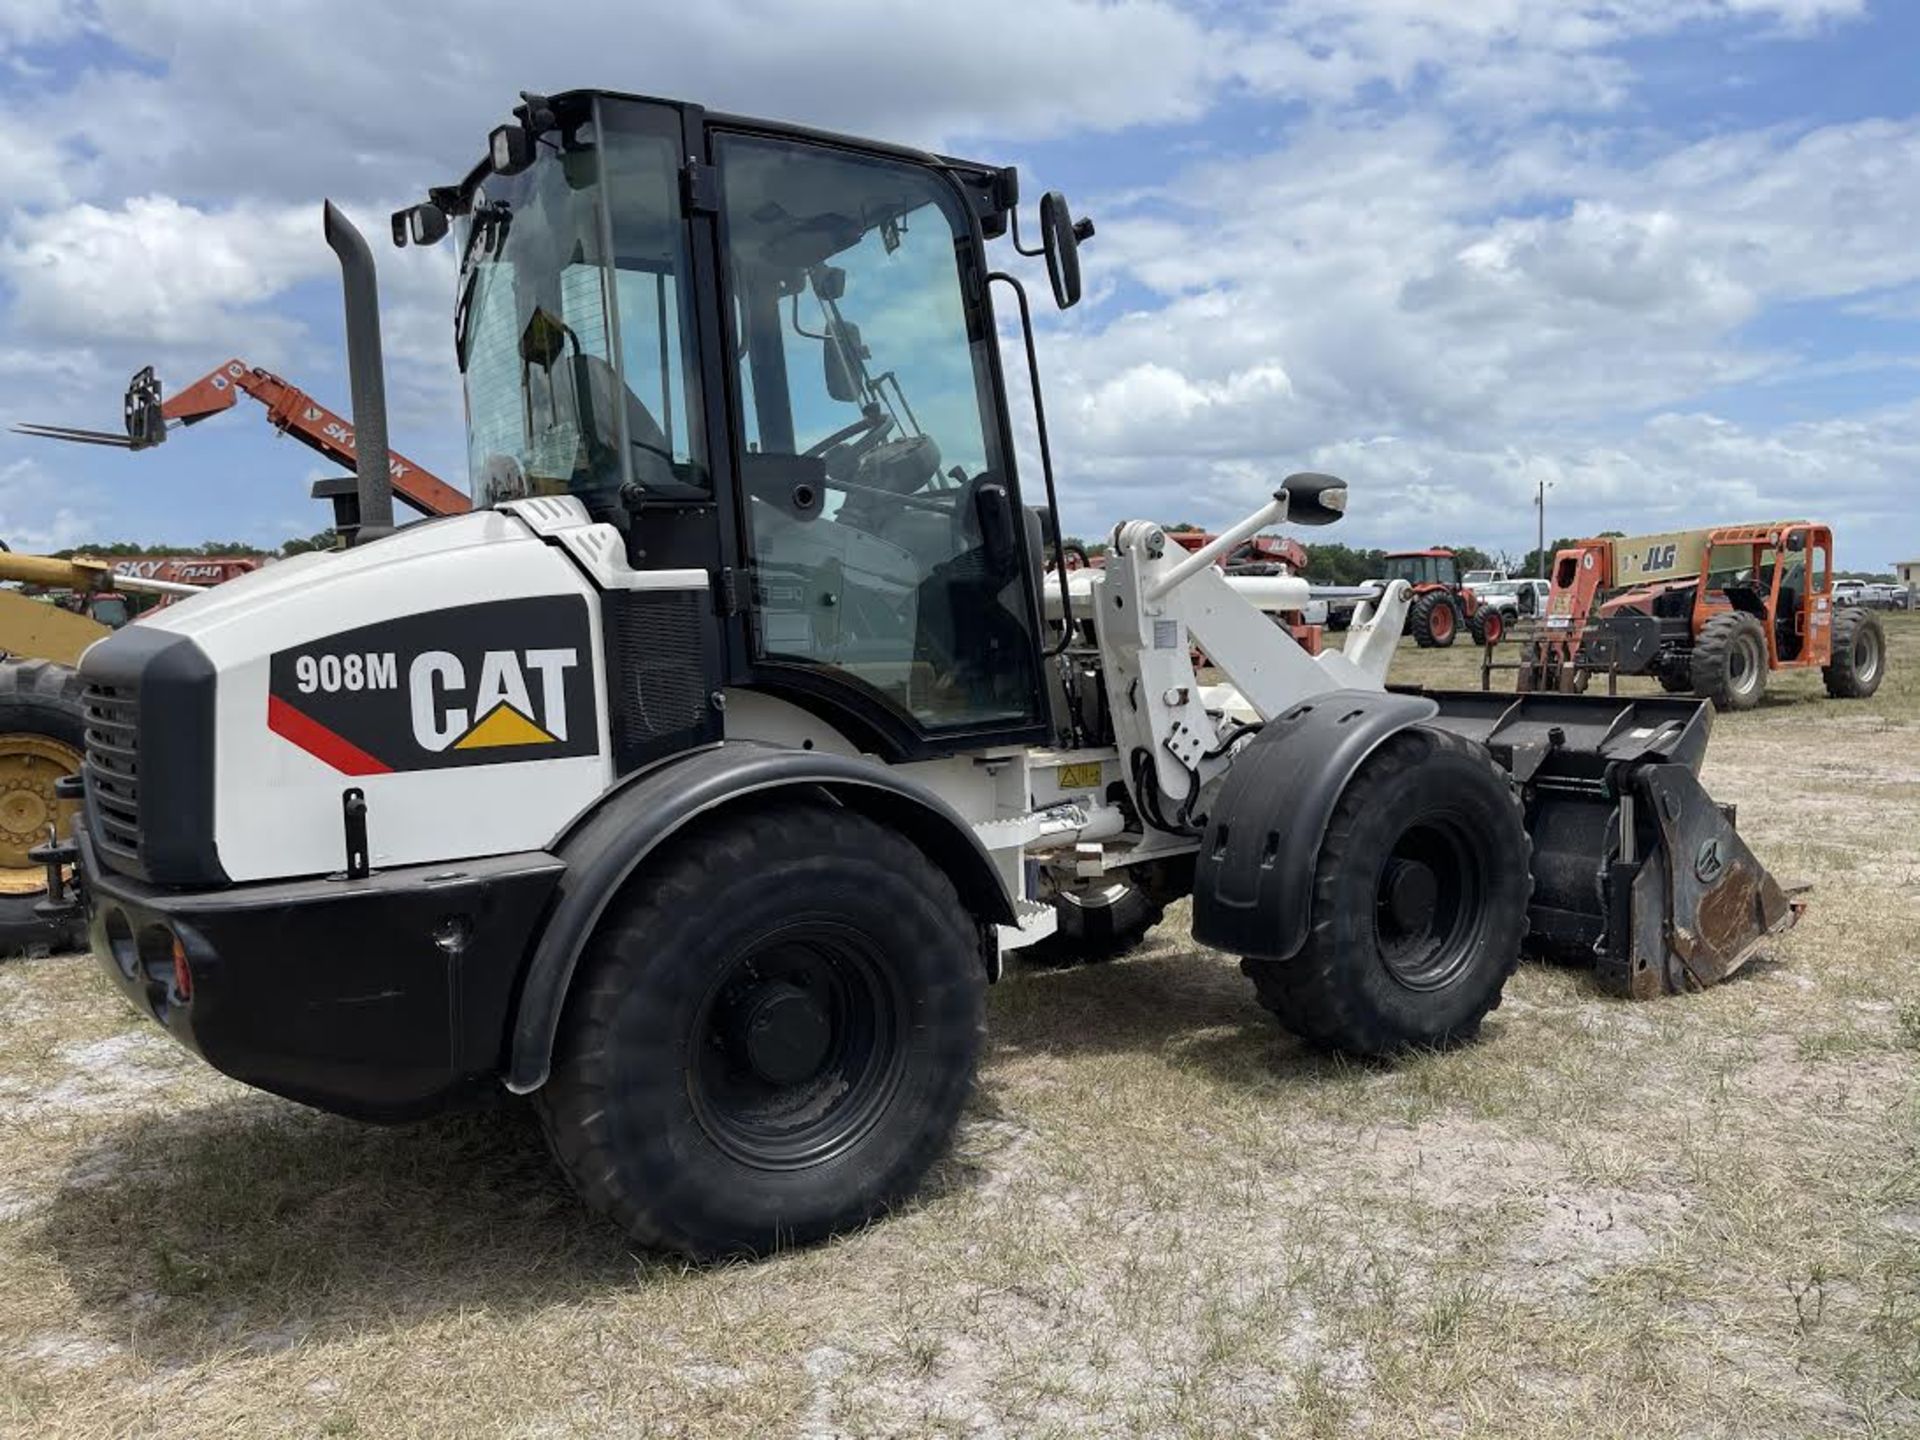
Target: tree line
<point x="1349" y="565"/>
<point x="206" y="549"/>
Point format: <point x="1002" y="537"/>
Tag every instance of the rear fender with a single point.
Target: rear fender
<point x="606" y="846"/>
<point x="1253" y="879"/>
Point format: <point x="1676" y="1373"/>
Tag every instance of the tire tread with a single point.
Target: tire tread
<point x="1312" y="994"/>
<point x="577" y="1102"/>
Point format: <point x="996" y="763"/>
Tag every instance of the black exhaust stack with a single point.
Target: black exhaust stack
<point x="366" y="376"/>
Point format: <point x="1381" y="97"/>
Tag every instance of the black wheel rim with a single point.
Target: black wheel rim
<point x="1429" y="904"/>
<point x="797" y="1047"/>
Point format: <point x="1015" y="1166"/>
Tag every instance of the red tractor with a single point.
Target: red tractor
<point x="1441" y="604"/>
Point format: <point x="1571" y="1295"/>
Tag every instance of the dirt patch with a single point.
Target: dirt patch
<point x="1164" y="1217"/>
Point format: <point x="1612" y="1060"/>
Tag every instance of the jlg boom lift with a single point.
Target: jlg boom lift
<point x="700" y="780"/>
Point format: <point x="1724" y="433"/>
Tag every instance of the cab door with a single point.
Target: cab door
<point x="891" y="578"/>
<point x="1817" y="609"/>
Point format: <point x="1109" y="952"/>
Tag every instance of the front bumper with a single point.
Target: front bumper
<point x="385" y="998"/>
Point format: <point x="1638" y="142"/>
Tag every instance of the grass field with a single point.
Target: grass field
<point x="1695" y="1217"/>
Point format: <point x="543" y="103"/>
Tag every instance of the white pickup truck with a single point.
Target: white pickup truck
<point x="1519" y="599"/>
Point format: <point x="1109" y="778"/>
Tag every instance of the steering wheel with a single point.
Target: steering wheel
<point x="900" y="466"/>
<point x="868" y="424"/>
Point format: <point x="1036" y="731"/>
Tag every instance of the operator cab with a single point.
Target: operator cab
<point x="1422" y="567"/>
<point x="776" y="361"/>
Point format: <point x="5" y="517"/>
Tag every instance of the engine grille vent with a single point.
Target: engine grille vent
<point x="659" y="682"/>
<point x="113" y="769"/>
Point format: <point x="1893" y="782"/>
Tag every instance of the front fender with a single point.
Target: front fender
<point x="606" y="846"/>
<point x="1253" y="880"/>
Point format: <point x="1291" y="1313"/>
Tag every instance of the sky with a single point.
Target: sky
<point x="1659" y="254"/>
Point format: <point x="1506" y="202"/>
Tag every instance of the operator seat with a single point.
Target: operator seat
<point x="969" y="633"/>
<point x="1786" y="624"/>
<point x="594" y="391"/>
<point x="602" y="389"/>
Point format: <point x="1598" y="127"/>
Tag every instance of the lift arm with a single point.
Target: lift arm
<point x="290" y="410"/>
<point x="1154" y="602"/>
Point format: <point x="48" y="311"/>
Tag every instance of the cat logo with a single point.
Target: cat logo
<point x="502" y="709"/>
<point x="496" y="683"/>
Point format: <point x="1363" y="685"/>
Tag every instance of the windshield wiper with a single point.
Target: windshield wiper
<point x="488" y="233"/>
<point x="460" y="309"/>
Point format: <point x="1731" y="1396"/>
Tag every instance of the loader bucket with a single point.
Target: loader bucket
<point x="1636" y="870"/>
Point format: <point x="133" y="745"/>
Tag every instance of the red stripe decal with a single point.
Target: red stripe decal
<point x="317" y="740"/>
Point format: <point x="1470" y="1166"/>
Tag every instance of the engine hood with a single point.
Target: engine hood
<point x="271" y="585"/>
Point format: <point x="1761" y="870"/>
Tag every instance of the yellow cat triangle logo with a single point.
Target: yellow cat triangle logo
<point x="503" y="725"/>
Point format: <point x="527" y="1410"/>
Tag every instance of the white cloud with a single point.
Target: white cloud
<point x="40" y="22"/>
<point x="1459" y="323"/>
<point x="1422" y="260"/>
<point x="153" y="266"/>
<point x="40" y="512"/>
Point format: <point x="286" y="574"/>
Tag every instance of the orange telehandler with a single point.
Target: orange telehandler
<point x="1712" y="612"/>
<point x="290" y="410"/>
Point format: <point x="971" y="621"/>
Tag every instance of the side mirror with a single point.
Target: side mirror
<point x="829" y="281"/>
<point x="510" y="149"/>
<point x="839" y="355"/>
<point x="1060" y="237"/>
<point x="422" y="224"/>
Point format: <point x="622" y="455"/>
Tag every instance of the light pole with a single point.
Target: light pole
<point x="1540" y="504"/>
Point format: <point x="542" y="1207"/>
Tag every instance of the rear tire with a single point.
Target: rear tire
<point x="1435" y="621"/>
<point x="1730" y="661"/>
<point x="42" y="736"/>
<point x="771" y="1037"/>
<point x="1859" y="655"/>
<point x="1419" y="903"/>
<point x="1110" y="916"/>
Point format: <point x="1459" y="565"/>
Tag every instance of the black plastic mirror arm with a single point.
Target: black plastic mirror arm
<point x="1013" y="218"/>
<point x="1046" y="459"/>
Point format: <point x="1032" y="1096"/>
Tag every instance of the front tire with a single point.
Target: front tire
<point x="1730" y="661"/>
<point x="772" y="1036"/>
<point x="1859" y="655"/>
<point x="42" y="737"/>
<point x="1419" y="903"/>
<point x="1434" y="620"/>
<point x="1488" y="626"/>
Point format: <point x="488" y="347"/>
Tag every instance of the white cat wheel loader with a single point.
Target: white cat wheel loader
<point x="699" y="781"/>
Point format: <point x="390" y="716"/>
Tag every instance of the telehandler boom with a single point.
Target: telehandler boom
<point x="149" y="416"/>
<point x="699" y="781"/>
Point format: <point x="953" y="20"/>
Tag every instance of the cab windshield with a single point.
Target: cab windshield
<point x="572" y="325"/>
<point x="1421" y="569"/>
